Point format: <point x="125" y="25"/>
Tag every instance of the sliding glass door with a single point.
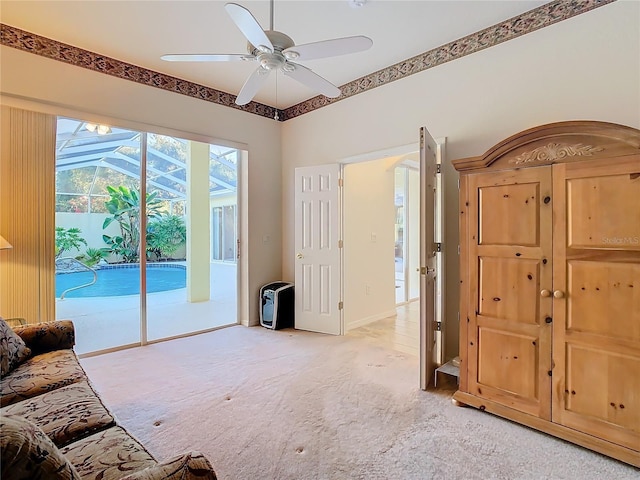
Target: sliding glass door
<point x="97" y="242"/>
<point x="133" y="213"/>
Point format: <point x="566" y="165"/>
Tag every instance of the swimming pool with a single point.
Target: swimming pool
<point x="118" y="280"/>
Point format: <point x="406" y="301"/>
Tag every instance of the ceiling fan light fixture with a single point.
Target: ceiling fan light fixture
<point x="357" y="3"/>
<point x="291" y="55"/>
<point x="271" y="61"/>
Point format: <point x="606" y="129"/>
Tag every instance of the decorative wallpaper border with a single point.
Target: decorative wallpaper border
<point x="46" y="47"/>
<point x="530" y="21"/>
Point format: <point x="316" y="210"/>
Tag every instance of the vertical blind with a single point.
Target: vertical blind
<point x="27" y="199"/>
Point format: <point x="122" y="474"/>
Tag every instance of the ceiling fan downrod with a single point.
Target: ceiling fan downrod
<point x="271" y="15"/>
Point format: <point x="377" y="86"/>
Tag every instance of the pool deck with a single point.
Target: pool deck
<point x="104" y="323"/>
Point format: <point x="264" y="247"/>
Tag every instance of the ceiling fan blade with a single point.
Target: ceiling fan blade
<point x="206" y="57"/>
<point x="328" y="48"/>
<point x="311" y="80"/>
<point x="248" y="25"/>
<point x="252" y="85"/>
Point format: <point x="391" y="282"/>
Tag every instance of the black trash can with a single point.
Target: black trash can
<point x="277" y="304"/>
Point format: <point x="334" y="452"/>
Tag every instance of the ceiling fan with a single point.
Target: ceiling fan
<point x="276" y="51"/>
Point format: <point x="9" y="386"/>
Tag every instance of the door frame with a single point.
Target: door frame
<point x="407" y="150"/>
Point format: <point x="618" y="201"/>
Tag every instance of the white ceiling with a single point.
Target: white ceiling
<point x="139" y="32"/>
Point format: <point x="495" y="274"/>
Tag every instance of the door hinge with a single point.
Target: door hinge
<point x="438" y="326"/>
<point x="458" y="249"/>
<point x="438" y="247"/>
<point x="238" y="249"/>
<point x="340" y="244"/>
<point x="340" y="182"/>
<point x="458" y="184"/>
<point x="438" y="168"/>
<point x="340" y="305"/>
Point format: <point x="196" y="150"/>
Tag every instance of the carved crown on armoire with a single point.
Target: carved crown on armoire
<point x="550" y="283"/>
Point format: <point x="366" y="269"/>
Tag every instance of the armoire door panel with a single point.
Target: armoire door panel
<point x="508" y="362"/>
<point x="509" y="356"/>
<point x="612" y="410"/>
<point x="617" y="400"/>
<point x="596" y="265"/>
<point x="604" y="290"/>
<point x="509" y="288"/>
<point x="604" y="211"/>
<point x="509" y="214"/>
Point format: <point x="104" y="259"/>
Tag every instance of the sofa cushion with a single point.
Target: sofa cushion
<point x="13" y="350"/>
<point x="48" y="336"/>
<point x="66" y="414"/>
<point x="107" y="455"/>
<point x="27" y="453"/>
<point x="188" y="465"/>
<point x="40" y="374"/>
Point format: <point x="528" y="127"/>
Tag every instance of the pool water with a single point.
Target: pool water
<point x="113" y="282"/>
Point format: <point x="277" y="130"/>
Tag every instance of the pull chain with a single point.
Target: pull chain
<point x="276" y="117"/>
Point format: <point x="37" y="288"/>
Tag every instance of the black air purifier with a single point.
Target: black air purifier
<point x="277" y="303"/>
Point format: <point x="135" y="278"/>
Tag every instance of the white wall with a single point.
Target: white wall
<point x="56" y="87"/>
<point x="587" y="67"/>
<point x="369" y="238"/>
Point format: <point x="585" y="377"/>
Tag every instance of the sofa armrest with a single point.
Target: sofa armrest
<point x="48" y="336"/>
<point x="189" y="466"/>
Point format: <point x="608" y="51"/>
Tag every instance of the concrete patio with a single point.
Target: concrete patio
<point x="105" y="323"/>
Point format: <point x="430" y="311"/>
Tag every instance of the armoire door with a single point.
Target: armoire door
<point x="596" y="344"/>
<point x="510" y="251"/>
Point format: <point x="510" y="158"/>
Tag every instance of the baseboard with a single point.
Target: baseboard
<point x="370" y="319"/>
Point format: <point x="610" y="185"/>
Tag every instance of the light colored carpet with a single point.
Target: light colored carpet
<point x="264" y="404"/>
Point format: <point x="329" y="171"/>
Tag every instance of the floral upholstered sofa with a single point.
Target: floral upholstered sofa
<point x="53" y="425"/>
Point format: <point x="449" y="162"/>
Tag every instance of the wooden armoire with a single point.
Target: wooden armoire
<point x="550" y="283"/>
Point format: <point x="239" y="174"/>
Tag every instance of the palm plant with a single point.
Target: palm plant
<point x="124" y="206"/>
<point x="68" y="239"/>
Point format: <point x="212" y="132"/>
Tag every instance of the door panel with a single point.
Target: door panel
<point x="596" y="339"/>
<point x="509" y="336"/>
<point x="508" y="362"/>
<point x="317" y="271"/>
<point x="616" y="402"/>
<point x="428" y="347"/>
<point x="600" y="290"/>
<point x="602" y="211"/>
<point x="519" y="279"/>
<point x="518" y="204"/>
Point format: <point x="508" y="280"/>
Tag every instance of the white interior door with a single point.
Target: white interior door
<point x="428" y="250"/>
<point x="318" y="278"/>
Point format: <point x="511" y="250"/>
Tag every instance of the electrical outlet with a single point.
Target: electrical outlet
<point x="367" y="289"/>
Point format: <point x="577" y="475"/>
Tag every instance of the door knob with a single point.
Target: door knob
<point x="299" y="255"/>
<point x="545" y="293"/>
<point x="558" y="294"/>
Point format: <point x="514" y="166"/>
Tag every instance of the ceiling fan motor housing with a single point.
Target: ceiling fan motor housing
<point x="273" y="60"/>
